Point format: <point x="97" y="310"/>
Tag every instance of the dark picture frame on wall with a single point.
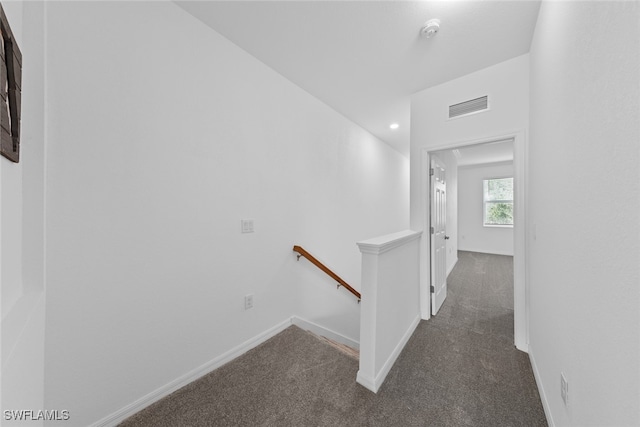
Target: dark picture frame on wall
<point x="10" y="91"/>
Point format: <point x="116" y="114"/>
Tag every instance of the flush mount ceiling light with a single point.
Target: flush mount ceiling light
<point x="394" y="126"/>
<point x="430" y="28"/>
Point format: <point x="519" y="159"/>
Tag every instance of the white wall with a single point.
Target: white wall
<point x="507" y="85"/>
<point x="585" y="204"/>
<point x="11" y="203"/>
<point x="22" y="264"/>
<point x="162" y="136"/>
<point x="390" y="303"/>
<point x="472" y="234"/>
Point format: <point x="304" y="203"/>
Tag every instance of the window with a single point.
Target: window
<point x="498" y="202"/>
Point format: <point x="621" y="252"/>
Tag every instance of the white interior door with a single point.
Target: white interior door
<point x="438" y="235"/>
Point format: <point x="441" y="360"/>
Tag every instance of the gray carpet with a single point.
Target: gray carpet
<point x="458" y="369"/>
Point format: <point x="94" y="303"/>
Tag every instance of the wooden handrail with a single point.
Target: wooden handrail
<point x="324" y="268"/>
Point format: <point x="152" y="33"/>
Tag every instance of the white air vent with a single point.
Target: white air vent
<point x="468" y="107"/>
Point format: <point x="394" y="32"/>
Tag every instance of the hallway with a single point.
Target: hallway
<point x="466" y="355"/>
<point x="459" y="369"/>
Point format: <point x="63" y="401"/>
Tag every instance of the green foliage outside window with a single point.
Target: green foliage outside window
<point x="498" y="201"/>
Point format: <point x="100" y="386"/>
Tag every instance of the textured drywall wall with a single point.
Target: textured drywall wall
<point x="11" y="203"/>
<point x="472" y="234"/>
<point x="507" y="85"/>
<point x="23" y="301"/>
<point x="584" y="208"/>
<point x="162" y="136"/>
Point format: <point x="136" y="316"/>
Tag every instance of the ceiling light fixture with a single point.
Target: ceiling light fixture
<point x="430" y="28"/>
<point x="394" y="126"/>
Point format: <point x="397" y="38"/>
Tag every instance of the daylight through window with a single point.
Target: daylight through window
<point x="498" y="202"/>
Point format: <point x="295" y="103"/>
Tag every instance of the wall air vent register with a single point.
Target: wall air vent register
<point x="469" y="107"/>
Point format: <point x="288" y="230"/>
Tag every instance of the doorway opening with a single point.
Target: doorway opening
<point x="502" y="157"/>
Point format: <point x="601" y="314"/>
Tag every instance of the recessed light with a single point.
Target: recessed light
<point x="394" y="126"/>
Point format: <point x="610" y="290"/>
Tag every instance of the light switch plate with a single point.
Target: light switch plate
<point x="248" y="301"/>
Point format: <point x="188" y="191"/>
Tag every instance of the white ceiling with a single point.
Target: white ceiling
<point x="500" y="151"/>
<point x="365" y="58"/>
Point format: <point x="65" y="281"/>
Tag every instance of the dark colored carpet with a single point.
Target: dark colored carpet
<point x="458" y="369"/>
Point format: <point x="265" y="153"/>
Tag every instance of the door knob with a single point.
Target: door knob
<point x="446" y="237"/>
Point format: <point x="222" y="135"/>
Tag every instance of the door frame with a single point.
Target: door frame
<point x="520" y="285"/>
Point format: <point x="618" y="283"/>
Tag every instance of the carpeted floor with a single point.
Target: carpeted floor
<point x="458" y="369"/>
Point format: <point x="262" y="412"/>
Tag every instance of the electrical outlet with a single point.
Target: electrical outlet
<point x="248" y="301"/>
<point x="564" y="389"/>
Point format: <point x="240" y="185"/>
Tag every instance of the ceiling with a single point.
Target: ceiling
<point x="365" y="58"/>
<point x="499" y="151"/>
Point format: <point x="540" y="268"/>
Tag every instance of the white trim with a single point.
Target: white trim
<point x="324" y="332"/>
<point x="366" y="382"/>
<point x="135" y="407"/>
<point x="15" y="320"/>
<point x="382" y="244"/>
<point x="507" y="136"/>
<point x="485" y="164"/>
<point x="425" y="244"/>
<point x="450" y="269"/>
<point x="483" y="251"/>
<point x="543" y="395"/>
<point x="485" y="190"/>
<point x="520" y="284"/>
<point x="520" y="161"/>
<point x="373" y="384"/>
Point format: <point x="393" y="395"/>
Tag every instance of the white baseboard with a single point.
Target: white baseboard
<point x="484" y="251"/>
<point x="322" y="331"/>
<point x="374" y="384"/>
<point x="523" y="347"/>
<point x="543" y="395"/>
<point x="154" y="396"/>
<point x="366" y="382"/>
<point x="449" y="270"/>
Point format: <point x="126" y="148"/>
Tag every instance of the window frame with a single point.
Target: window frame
<point x="485" y="184"/>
